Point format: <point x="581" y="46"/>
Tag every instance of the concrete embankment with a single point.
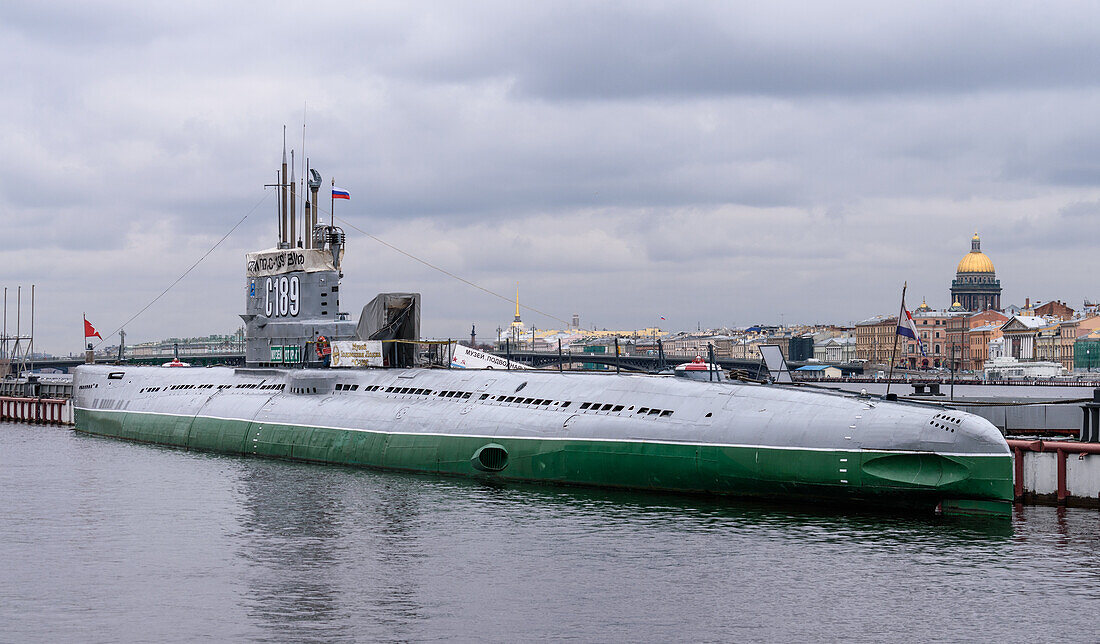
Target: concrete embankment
<point x="36" y="401"/>
<point x="37" y="411"/>
<point x="1056" y="472"/>
<point x="1024" y="409"/>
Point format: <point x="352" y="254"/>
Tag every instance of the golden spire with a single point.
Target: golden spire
<point x="517" y="304"/>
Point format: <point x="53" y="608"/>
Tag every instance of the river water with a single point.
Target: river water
<point x="105" y="541"/>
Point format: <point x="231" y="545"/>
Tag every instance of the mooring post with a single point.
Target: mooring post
<point x="560" y="368"/>
<point x="1018" y="484"/>
<point x="1062" y="491"/>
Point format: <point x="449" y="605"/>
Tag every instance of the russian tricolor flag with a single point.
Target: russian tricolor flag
<point x="340" y="193"/>
<point x="908" y="328"/>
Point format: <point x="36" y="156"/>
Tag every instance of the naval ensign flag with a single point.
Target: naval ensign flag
<point x="89" y="330"/>
<point x="908" y="328"/>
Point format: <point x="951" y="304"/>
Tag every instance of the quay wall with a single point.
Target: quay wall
<point x="1018" y="409"/>
<point x="36" y="411"/>
<point x="1056" y="472"/>
<point x="1031" y="418"/>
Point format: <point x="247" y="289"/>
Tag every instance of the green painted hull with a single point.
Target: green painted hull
<point x="967" y="484"/>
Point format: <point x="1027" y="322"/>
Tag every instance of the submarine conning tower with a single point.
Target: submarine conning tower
<point x="292" y="291"/>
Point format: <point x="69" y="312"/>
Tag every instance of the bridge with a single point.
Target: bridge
<point x="536" y="359"/>
<point x="203" y="360"/>
<point x="632" y="363"/>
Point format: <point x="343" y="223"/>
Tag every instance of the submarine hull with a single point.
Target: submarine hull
<point x="636" y="432"/>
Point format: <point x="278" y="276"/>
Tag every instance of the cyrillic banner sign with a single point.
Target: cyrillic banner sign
<point x="467" y="358"/>
<point x="289" y="354"/>
<point x="357" y="353"/>
<point x="290" y="260"/>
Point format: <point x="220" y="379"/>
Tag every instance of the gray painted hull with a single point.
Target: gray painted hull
<point x="779" y="441"/>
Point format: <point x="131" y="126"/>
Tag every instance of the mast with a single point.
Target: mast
<point x="18" y="317"/>
<point x="306" y="215"/>
<point x="894" y="353"/>
<point x="314" y="183"/>
<point x="282" y="190"/>
<point x="293" y="205"/>
<point x="307" y="239"/>
<point x="278" y="208"/>
<point x="307" y="222"/>
<point x="30" y="345"/>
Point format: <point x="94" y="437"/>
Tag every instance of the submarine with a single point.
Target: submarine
<point x="643" y="432"/>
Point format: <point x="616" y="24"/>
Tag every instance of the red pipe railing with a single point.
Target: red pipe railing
<point x="45" y="411"/>
<point x="1061" y="448"/>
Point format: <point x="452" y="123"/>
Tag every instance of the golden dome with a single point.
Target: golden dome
<point x="976" y="261"/>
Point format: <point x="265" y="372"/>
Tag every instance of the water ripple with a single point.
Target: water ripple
<point x="106" y="541"/>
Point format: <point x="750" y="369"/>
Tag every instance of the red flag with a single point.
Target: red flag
<point x="89" y="330"/>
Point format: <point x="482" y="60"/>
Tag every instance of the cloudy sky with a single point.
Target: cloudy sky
<point x="714" y="163"/>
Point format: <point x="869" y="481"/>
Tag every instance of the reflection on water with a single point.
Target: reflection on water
<point x="136" y="542"/>
<point x="290" y="532"/>
<point x="305" y="528"/>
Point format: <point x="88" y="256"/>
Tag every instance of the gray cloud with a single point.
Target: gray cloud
<point x="710" y="163"/>
<point x="630" y="50"/>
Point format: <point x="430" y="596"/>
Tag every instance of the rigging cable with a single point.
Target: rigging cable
<point x="450" y="274"/>
<point x="185" y="273"/>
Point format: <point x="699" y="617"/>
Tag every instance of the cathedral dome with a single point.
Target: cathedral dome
<point x="976" y="261"/>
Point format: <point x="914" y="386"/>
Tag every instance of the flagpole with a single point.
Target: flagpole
<point x="894" y="353"/>
<point x="332" y="202"/>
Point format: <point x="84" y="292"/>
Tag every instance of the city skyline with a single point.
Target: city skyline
<point x="708" y="164"/>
